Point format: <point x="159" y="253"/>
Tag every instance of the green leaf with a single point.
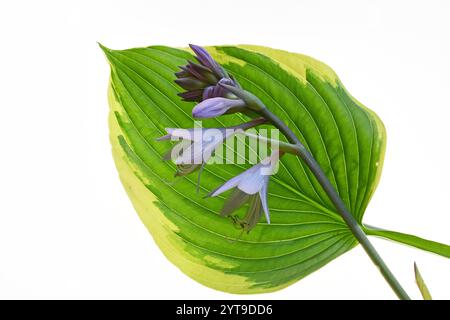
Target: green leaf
<point x="346" y="138"/>
<point x="421" y="284"/>
<point x="414" y="241"/>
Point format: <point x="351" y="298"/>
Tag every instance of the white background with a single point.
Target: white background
<point x="67" y="228"/>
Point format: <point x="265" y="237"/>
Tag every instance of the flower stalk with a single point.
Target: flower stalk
<point x="218" y="93"/>
<point x="299" y="149"/>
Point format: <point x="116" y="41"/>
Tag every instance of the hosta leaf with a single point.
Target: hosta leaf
<point x="421" y="284"/>
<point x="347" y="139"/>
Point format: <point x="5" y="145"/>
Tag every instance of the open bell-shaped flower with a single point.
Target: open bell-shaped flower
<point x="196" y="147"/>
<point x="199" y="144"/>
<point x="250" y="187"/>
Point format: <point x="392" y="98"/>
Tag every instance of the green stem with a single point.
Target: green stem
<point x="356" y="229"/>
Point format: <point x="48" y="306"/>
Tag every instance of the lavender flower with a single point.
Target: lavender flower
<point x="196" y="148"/>
<point x="199" y="144"/>
<point x="201" y="80"/>
<point x="214" y="107"/>
<point x="218" y="93"/>
<point x="250" y="187"/>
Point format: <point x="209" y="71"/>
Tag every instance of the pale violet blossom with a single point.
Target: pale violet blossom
<point x="250" y="187"/>
<point x="218" y="106"/>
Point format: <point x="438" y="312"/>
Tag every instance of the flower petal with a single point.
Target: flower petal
<point x="194" y="95"/>
<point x="165" y="137"/>
<point x="254" y="212"/>
<point x="263" y="197"/>
<point x="253" y="181"/>
<point x="185" y="134"/>
<point x="182" y="73"/>
<point x="233" y="182"/>
<point x="190" y="83"/>
<point x="214" y="107"/>
<point x="205" y="59"/>
<point x="195" y="152"/>
<point x="185" y="169"/>
<point x="178" y="153"/>
<point x="234" y="202"/>
<point x="212" y="92"/>
<point x="202" y="73"/>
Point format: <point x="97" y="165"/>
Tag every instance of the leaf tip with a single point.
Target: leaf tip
<point x="104" y="49"/>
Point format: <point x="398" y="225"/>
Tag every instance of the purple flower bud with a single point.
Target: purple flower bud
<point x="194" y="95"/>
<point x="183" y="73"/>
<point x="212" y="92"/>
<point x="189" y="83"/>
<point x="214" y="107"/>
<point x="202" y="73"/>
<point x="201" y="79"/>
<point x="205" y="59"/>
<point x="226" y="81"/>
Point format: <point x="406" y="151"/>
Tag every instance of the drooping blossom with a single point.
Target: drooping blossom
<point x="250" y="187"/>
<point x="198" y="145"/>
